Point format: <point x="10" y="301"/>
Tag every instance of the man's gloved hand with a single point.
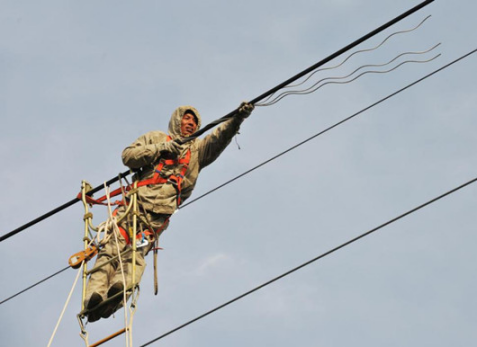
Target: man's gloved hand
<point x="170" y="147"/>
<point x="245" y="109"/>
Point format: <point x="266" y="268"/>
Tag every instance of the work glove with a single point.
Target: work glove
<point x="245" y="109"/>
<point x="171" y="148"/>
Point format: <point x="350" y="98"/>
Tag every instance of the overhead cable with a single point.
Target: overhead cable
<point x="332" y="126"/>
<point x="34" y="285"/>
<point x="234" y="112"/>
<point x="316" y="66"/>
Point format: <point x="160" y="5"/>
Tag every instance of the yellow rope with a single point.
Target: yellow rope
<point x="66" y="305"/>
<point x="132" y="310"/>
<point x="113" y="220"/>
<point x="112" y="224"/>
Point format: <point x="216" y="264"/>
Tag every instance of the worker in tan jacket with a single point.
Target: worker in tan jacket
<point x="167" y="173"/>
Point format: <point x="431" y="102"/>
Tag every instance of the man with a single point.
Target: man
<point x="167" y="173"/>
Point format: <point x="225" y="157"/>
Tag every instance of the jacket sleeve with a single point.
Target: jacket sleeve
<point x="142" y="152"/>
<point x="214" y="144"/>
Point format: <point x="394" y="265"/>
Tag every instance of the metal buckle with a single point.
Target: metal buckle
<point x="142" y="242"/>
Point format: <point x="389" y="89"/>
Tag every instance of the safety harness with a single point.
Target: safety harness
<point x="157" y="178"/>
<point x="175" y="180"/>
<point x="141" y="240"/>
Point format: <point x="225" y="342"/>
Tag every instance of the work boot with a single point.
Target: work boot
<point x="111" y="306"/>
<point x="93" y="302"/>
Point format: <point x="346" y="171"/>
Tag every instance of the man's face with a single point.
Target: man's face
<point x="188" y="124"/>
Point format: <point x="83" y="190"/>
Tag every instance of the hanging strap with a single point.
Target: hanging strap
<point x="142" y="234"/>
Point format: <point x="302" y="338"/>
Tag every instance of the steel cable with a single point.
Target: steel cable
<point x="34" y="285"/>
<point x="234" y="112"/>
<point x="332" y="126"/>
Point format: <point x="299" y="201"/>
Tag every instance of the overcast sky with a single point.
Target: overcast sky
<point x="81" y="80"/>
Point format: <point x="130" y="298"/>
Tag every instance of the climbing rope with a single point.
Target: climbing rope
<point x="65" y="306"/>
<point x="115" y="228"/>
<point x="110" y="228"/>
<point x="132" y="311"/>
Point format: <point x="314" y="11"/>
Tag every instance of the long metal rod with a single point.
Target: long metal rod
<point x="231" y="114"/>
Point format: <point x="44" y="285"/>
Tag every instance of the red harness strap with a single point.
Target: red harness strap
<point x="175" y="180"/>
<point x="140" y="235"/>
<point x="100" y="201"/>
<point x="125" y="234"/>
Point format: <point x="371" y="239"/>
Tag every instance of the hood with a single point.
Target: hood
<point x="176" y="118"/>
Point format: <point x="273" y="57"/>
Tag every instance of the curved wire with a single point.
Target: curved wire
<point x="308" y="91"/>
<point x="352" y="73"/>
<point x="351" y="55"/>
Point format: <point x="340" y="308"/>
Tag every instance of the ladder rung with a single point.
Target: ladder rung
<point x="110" y="337"/>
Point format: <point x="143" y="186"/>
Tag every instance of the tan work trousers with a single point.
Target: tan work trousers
<point x="101" y="280"/>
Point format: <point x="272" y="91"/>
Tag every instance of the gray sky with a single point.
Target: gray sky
<point x="81" y="80"/>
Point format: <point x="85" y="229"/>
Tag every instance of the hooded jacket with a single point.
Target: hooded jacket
<point x="144" y="154"/>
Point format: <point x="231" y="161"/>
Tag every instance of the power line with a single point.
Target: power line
<point x="332" y="127"/>
<point x="34" y="285"/>
<point x="234" y="112"/>
<point x="60" y="208"/>
<point x="318" y="64"/>
<point x="312" y="261"/>
<point x="301" y="143"/>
